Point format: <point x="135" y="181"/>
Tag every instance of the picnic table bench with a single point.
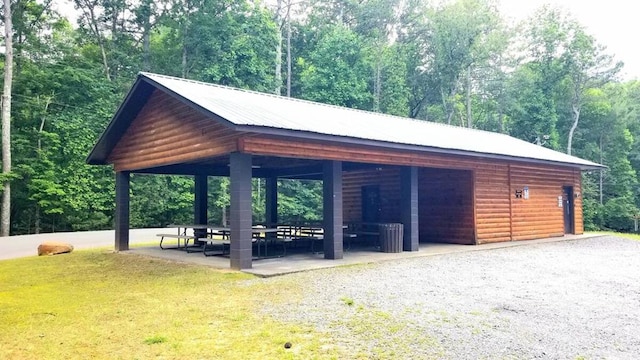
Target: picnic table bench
<point x="185" y="238"/>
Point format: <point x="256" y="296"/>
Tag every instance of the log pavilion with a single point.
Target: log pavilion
<point x="443" y="183"/>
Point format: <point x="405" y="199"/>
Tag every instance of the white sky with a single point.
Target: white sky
<point x="614" y="23"/>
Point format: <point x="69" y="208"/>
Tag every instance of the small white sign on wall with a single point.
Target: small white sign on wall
<point x="560" y="201"/>
<point x="525" y="192"/>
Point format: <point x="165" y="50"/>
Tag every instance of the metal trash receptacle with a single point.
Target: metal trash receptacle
<point x="391" y="237"/>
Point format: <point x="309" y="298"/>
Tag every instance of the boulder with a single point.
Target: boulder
<point x="53" y="248"/>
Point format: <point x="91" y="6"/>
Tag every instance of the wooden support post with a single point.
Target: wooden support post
<point x="409" y="212"/>
<point x="332" y="209"/>
<point x="241" y="213"/>
<point x="200" y="216"/>
<point x="122" y="211"/>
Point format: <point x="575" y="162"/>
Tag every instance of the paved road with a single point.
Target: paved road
<point x="27" y="245"/>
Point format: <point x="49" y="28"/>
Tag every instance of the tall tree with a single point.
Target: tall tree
<point x="336" y="72"/>
<point x="588" y="66"/>
<point x="5" y="218"/>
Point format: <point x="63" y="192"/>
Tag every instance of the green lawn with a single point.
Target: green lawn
<point x="103" y="305"/>
<point x="613" y="233"/>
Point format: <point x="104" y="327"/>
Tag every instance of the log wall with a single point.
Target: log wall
<point x="462" y="199"/>
<point x="493" y="202"/>
<point x="389" y="182"/>
<point x="166" y="132"/>
<point x="494" y="184"/>
<point x="540" y="216"/>
<point x="445" y="206"/>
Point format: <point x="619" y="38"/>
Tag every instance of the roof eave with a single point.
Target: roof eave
<point x="399" y="146"/>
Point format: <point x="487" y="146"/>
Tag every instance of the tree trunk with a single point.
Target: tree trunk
<point x="98" y="34"/>
<point x="146" y="62"/>
<point x="469" y="120"/>
<point x="279" y="23"/>
<point x="377" y="81"/>
<point x="289" y="52"/>
<point x="184" y="57"/>
<point x="43" y="121"/>
<point x="224" y="216"/>
<point x="5" y="209"/>
<point x="446" y="104"/>
<point x="445" y="108"/>
<point x="37" y="220"/>
<point x="576" y="116"/>
<point x="601" y="173"/>
<point x="278" y="88"/>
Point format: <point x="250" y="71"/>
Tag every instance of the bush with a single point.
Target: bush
<point x="593" y="214"/>
<point x="618" y="214"/>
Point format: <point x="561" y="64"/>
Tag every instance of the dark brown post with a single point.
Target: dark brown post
<point x="240" y="178"/>
<point x="332" y="209"/>
<point x="271" y="201"/>
<point x="409" y="213"/>
<point x="122" y="211"/>
<point x="200" y="204"/>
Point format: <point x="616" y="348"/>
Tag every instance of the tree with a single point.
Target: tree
<point x="588" y="67"/>
<point x="336" y="72"/>
<point x="5" y="218"/>
<point x="536" y="82"/>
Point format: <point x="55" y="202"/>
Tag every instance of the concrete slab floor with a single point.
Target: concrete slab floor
<point x="305" y="262"/>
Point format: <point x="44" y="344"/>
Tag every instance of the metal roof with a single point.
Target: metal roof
<point x="259" y="112"/>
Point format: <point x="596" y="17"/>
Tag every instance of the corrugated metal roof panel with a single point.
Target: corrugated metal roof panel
<point x="252" y="109"/>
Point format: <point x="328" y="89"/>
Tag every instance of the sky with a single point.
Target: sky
<point x="614" y="24"/>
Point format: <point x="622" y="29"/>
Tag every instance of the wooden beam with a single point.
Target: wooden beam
<point x="241" y="212"/>
<point x="409" y="211"/>
<point x="122" y="211"/>
<point x="332" y="210"/>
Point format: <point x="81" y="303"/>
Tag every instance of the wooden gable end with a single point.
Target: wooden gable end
<point x="167" y="131"/>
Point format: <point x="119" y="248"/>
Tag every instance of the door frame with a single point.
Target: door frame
<point x="568" y="209"/>
<point x="363" y="190"/>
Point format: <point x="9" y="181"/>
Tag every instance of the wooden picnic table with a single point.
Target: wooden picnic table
<point x="209" y="239"/>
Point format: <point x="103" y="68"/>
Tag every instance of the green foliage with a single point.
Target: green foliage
<point x="299" y="200"/>
<point x="450" y="62"/>
<point x="618" y="214"/>
<point x="157" y="201"/>
<point x="335" y="72"/>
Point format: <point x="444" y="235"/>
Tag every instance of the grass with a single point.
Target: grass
<point x="613" y="233"/>
<point x="385" y="337"/>
<point x="103" y="305"/>
<point x="347" y="301"/>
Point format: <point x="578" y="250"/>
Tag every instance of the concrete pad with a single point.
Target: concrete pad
<point x="305" y="262"/>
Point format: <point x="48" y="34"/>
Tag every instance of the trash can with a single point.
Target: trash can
<point x="391" y="237"/>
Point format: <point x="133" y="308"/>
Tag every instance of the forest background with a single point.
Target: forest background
<point x="545" y="80"/>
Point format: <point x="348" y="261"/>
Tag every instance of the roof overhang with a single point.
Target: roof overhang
<point x="144" y="86"/>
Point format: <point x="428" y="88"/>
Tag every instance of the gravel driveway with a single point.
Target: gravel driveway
<point x="563" y="300"/>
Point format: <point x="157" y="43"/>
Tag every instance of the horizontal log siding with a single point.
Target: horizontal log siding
<point x="389" y="182"/>
<point x="577" y="189"/>
<point x="540" y="216"/>
<point x="445" y="206"/>
<point x="166" y="132"/>
<point x="494" y="196"/>
<point x="493" y="207"/>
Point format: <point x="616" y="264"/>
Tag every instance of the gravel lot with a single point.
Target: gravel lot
<point x="563" y="300"/>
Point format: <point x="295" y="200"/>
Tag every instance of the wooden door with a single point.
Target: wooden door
<point x="371" y="203"/>
<point x="567" y="204"/>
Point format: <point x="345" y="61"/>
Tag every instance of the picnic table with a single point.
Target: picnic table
<point x="212" y="236"/>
